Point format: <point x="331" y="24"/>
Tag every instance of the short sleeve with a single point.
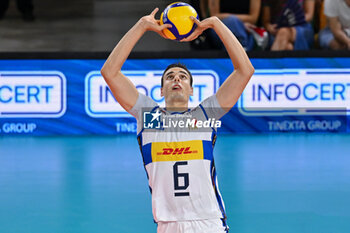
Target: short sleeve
<point x="212" y="108"/>
<point x="142" y="102"/>
<point x="330" y="8"/>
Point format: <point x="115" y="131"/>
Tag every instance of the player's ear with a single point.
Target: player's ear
<point x="161" y="92"/>
<point x="191" y="93"/>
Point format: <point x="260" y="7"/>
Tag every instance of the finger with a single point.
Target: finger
<point x="154" y="12"/>
<point x="184" y="40"/>
<point x="190" y="37"/>
<point x="195" y="34"/>
<point x="164" y="26"/>
<point x="195" y="20"/>
<point x="164" y="36"/>
<point x="161" y="33"/>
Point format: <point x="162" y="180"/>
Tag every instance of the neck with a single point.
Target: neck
<point x="176" y="106"/>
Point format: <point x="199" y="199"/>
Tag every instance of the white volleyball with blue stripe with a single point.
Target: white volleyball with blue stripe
<point x="178" y="15"/>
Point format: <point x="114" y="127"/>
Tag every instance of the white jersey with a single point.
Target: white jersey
<point x="180" y="165"/>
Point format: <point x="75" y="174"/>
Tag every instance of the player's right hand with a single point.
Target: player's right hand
<point x="201" y="26"/>
<point x="149" y="23"/>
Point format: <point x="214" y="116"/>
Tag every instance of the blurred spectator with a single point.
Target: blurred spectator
<point x="239" y="16"/>
<point x="337" y="34"/>
<point x="24" y="6"/>
<point x="288" y="23"/>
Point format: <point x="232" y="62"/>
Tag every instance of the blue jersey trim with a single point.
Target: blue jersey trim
<point x="216" y="189"/>
<point x="213" y="138"/>
<point x="204" y="112"/>
<point x="207" y="150"/>
<point x="147" y="153"/>
<point x="224" y="224"/>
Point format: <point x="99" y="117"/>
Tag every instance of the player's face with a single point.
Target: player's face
<point x="176" y="85"/>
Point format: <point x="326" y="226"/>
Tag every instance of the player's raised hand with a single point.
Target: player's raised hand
<point x="151" y="24"/>
<point x="201" y="26"/>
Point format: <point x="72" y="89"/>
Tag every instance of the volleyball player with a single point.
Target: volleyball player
<point x="179" y="164"/>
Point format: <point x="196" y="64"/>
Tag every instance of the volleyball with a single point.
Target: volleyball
<point x="178" y="15"/>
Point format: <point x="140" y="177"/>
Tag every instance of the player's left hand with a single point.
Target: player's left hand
<point x="201" y="26"/>
<point x="150" y="23"/>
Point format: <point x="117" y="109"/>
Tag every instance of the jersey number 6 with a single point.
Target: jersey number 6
<point x="177" y="177"/>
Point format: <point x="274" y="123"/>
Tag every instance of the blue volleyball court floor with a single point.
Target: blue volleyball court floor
<point x="283" y="183"/>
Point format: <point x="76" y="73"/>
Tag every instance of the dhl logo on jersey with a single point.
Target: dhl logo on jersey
<point x="177" y="151"/>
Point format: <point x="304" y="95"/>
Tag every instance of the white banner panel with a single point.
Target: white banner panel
<point x="32" y="94"/>
<point x="297" y="92"/>
<point x="99" y="101"/>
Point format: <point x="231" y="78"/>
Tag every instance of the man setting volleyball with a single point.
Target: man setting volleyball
<point x="179" y="164"/>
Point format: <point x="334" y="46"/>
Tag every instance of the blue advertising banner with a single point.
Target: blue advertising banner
<point x="69" y="96"/>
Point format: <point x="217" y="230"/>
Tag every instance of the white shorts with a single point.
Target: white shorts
<point x="194" y="226"/>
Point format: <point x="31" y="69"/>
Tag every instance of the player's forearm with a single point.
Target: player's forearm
<point x="123" y="49"/>
<point x="236" y="52"/>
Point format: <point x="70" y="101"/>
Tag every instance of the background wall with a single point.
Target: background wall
<point x="80" y="25"/>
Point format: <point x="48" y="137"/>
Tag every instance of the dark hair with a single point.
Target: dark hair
<point x="177" y="65"/>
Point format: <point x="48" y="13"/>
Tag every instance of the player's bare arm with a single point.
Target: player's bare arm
<point x="232" y="88"/>
<point x="122" y="88"/>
